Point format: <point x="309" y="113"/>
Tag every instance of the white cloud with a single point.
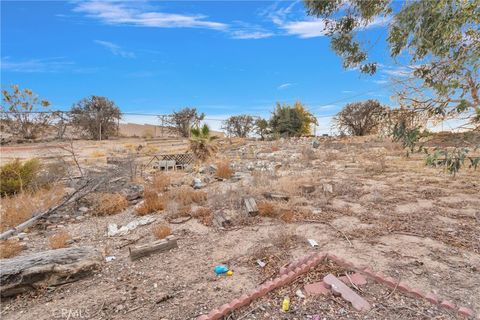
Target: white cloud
<point x="122" y="13"/>
<point x="284" y="86"/>
<point x="348" y="91"/>
<point x="305" y="29"/>
<point x="115" y="49"/>
<point x="48" y="65"/>
<point x="247" y="34"/>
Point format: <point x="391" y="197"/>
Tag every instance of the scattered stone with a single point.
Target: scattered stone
<point x="133" y="192"/>
<point x="327" y="188"/>
<point x="110" y="258"/>
<point x="83" y="209"/>
<point x="308" y="188"/>
<point x="113" y="230"/>
<point x="300" y="294"/>
<point x="79" y="218"/>
<point x="313" y="243"/>
<point x="315" y="144"/>
<point x="261" y="263"/>
<point x="197" y="183"/>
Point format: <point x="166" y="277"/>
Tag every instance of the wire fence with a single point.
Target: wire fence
<point x="138" y="124"/>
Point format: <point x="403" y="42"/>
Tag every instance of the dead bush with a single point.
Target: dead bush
<point x="10" y="248"/>
<point x="109" y="203"/>
<point x="59" y="240"/>
<point x="267" y="209"/>
<point x="152" y="202"/>
<point x="287" y="215"/>
<point x="161" y="181"/>
<point x="161" y="231"/>
<point x="18" y="208"/>
<point x="186" y="195"/>
<point x="224" y="170"/>
<point x="204" y="215"/>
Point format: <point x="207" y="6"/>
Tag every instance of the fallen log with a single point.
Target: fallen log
<point x="47" y="268"/>
<point x="157" y="246"/>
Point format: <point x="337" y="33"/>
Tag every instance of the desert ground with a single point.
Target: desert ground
<point x="360" y="198"/>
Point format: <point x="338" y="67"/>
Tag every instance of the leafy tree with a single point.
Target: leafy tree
<point x="442" y="39"/>
<point x="184" y="120"/>
<point x="24" y="114"/>
<point x="239" y="126"/>
<point x="96" y="116"/>
<point x="360" y="118"/>
<point x="202" y="143"/>
<point x="291" y="121"/>
<point x="262" y="128"/>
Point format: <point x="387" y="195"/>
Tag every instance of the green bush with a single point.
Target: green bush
<point x="15" y="176"/>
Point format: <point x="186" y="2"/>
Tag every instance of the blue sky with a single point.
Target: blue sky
<point x="222" y="57"/>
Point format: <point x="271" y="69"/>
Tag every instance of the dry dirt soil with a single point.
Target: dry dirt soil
<point x="371" y="205"/>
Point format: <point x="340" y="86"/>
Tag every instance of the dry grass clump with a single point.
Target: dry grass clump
<point x="10" y="248"/>
<point x="20" y="207"/>
<point x="287" y="215"/>
<point x="161" y="181"/>
<point x="161" y="231"/>
<point x="267" y="209"/>
<point x="152" y="202"/>
<point x="97" y="154"/>
<point x="224" y="170"/>
<point x="204" y="215"/>
<point x="59" y="240"/>
<point x="186" y="195"/>
<point x="109" y="203"/>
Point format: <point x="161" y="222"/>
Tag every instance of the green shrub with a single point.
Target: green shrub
<point x="15" y="176"/>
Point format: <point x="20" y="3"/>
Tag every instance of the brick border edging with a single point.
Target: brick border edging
<point x="298" y="267"/>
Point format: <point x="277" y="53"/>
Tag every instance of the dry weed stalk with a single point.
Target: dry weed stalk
<point x="10" y="248"/>
<point x="204" y="215"/>
<point x="19" y="208"/>
<point x="161" y="231"/>
<point x="161" y="182"/>
<point x="224" y="170"/>
<point x="59" y="240"/>
<point x="186" y="195"/>
<point x="152" y="202"/>
<point x="267" y="209"/>
<point x="109" y="203"/>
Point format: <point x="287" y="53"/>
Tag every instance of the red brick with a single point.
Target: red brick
<point x="417" y="293"/>
<point x="215" y="314"/>
<point x="357" y="279"/>
<point x="236" y="303"/>
<point x="403" y="287"/>
<point x="203" y="317"/>
<point x="467" y="312"/>
<point x="447" y="305"/>
<point x="283" y="280"/>
<point x="432" y="298"/>
<point x="316" y="288"/>
<point x="389" y="281"/>
<point x="225" y="309"/>
<point x="338" y="287"/>
<point x="369" y="272"/>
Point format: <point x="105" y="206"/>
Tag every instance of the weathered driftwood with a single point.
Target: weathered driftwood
<point x="47" y="268"/>
<point x="222" y="219"/>
<point x="76" y="195"/>
<point x="276" y="196"/>
<point x="157" y="246"/>
<point x="251" y="206"/>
